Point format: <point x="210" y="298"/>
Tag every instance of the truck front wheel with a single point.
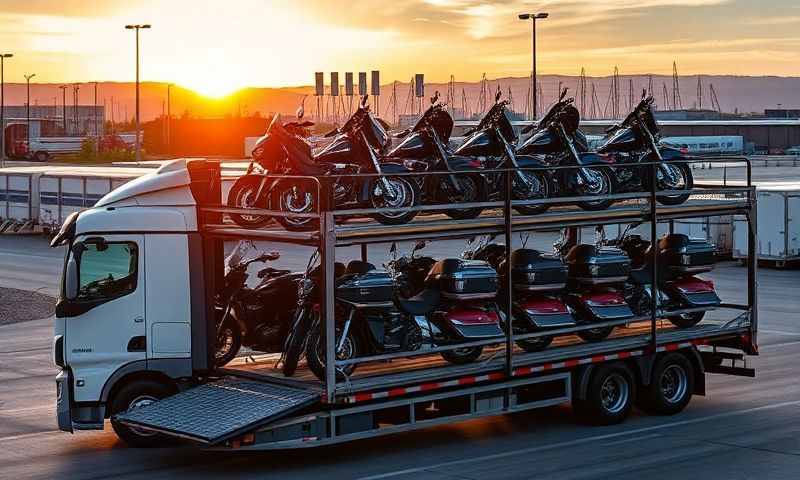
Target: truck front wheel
<point x="137" y="394"/>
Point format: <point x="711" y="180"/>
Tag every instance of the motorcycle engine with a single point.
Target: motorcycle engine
<point x="400" y="332"/>
<point x="267" y="335"/>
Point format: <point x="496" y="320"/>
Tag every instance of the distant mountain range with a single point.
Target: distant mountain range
<point x="735" y="94"/>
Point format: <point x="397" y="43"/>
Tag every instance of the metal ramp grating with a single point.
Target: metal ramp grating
<point x="217" y="411"/>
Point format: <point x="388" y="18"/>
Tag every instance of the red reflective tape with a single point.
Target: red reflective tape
<point x="428" y="386"/>
<point x="571" y="363"/>
<point x="496" y="376"/>
<point x="624" y="354"/>
<point x="598" y="358"/>
<point x="547" y="366"/>
<point x="466" y="380"/>
<point x="671" y="347"/>
<point x="362" y="397"/>
<point x="395" y="392"/>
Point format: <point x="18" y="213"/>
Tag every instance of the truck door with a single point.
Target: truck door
<point x="105" y="328"/>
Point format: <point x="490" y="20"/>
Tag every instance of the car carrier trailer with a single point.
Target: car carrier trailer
<point x="252" y="406"/>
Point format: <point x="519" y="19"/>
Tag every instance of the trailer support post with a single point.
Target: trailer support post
<point x="509" y="300"/>
<point x="752" y="262"/>
<point x="654" y="259"/>
<point x="327" y="261"/>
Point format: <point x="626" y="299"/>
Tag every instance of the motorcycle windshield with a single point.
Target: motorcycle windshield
<point x="439" y="119"/>
<point x="375" y="133"/>
<point x="242" y="251"/>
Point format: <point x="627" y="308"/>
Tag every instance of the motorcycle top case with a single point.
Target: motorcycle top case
<point x="372" y="287"/>
<point x="533" y="271"/>
<point x="681" y="254"/>
<point x="592" y="265"/>
<point x="464" y="279"/>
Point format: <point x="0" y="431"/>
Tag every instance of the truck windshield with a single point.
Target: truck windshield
<point x="107" y="271"/>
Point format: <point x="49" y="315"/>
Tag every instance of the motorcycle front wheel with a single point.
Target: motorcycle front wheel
<point x="243" y="195"/>
<point x="229" y="341"/>
<point x="539" y="189"/>
<point x="473" y="189"/>
<point x="596" y="334"/>
<point x="296" y="341"/>
<point x="296" y="197"/>
<point x="603" y="184"/>
<point x="405" y="195"/>
<point x="315" y="353"/>
<point x="683" y="181"/>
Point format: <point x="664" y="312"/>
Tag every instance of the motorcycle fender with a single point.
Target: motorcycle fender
<point x="388" y="168"/>
<point x="529" y="161"/>
<point x="588" y="159"/>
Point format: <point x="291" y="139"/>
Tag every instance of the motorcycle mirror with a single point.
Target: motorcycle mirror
<point x="435" y="97"/>
<point x="393" y="248"/>
<point x="419" y="245"/>
<point x="644" y="93"/>
<point x="563" y="94"/>
<point x="301" y="109"/>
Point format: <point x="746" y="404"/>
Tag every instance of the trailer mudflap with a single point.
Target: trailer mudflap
<point x="215" y="412"/>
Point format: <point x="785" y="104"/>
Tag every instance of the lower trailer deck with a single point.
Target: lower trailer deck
<point x="379" y="379"/>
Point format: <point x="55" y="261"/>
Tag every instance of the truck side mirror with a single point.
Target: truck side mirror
<point x="71" y="280"/>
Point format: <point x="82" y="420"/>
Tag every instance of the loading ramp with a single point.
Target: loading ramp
<point x="218" y="411"/>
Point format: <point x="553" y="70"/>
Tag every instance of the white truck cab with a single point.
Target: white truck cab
<point x="123" y="329"/>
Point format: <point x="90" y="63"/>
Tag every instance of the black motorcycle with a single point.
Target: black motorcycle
<point x="554" y="141"/>
<point x="634" y="141"/>
<point x="492" y="142"/>
<point x="424" y="148"/>
<point x="256" y="317"/>
<point x="352" y="151"/>
<point x="372" y="317"/>
<point x="679" y="259"/>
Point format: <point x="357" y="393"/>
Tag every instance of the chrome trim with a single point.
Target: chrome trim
<point x="469" y="296"/>
<point x="546" y="287"/>
<point x="601" y="281"/>
<point x="366" y="305"/>
<point x="695" y="269"/>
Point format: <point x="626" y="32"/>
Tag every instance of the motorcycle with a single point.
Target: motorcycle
<point x="254" y="317"/>
<point x="556" y="142"/>
<point x="634" y="141"/>
<point x="424" y="148"/>
<point x="679" y="259"/>
<point x="372" y="317"/>
<point x="491" y="143"/>
<point x="596" y="276"/>
<point x="352" y="151"/>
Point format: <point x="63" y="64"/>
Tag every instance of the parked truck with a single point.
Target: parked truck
<point x="135" y="328"/>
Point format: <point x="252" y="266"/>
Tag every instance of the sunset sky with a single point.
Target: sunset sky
<point x="215" y="47"/>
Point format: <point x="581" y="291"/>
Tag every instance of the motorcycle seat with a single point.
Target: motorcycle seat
<point x="359" y="267"/>
<point x="421" y="304"/>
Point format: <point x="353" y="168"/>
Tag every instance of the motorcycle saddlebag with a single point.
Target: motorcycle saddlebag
<point x="464" y="279"/>
<point x="693" y="292"/>
<point x="591" y="265"/>
<point x="532" y="271"/>
<point x="546" y="312"/>
<point x="603" y="304"/>
<point x="681" y="254"/>
<point x="474" y="322"/>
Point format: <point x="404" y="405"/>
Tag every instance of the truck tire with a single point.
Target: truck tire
<point x="609" y="396"/>
<point x="135" y="394"/>
<point x="671" y="386"/>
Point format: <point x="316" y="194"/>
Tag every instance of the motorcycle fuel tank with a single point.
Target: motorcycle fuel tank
<point x="542" y="142"/>
<point x="480" y="144"/>
<point x="340" y="150"/>
<point x="623" y="140"/>
<point x="415" y="145"/>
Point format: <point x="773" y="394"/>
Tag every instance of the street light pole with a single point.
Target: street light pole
<point x="64" y="102"/>
<point x="533" y="17"/>
<point x="94" y="117"/>
<point x="169" y="120"/>
<point x="137" y="28"/>
<point x="28" y="108"/>
<point x="3" y="56"/>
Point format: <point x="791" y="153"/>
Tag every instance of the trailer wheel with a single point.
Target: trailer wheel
<point x="609" y="396"/>
<point x="686" y="320"/>
<point x="671" y="387"/>
<point x="462" y="356"/>
<point x="137" y="394"/>
<point x="595" y="334"/>
<point x="41" y="156"/>
<point x="535" y="344"/>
